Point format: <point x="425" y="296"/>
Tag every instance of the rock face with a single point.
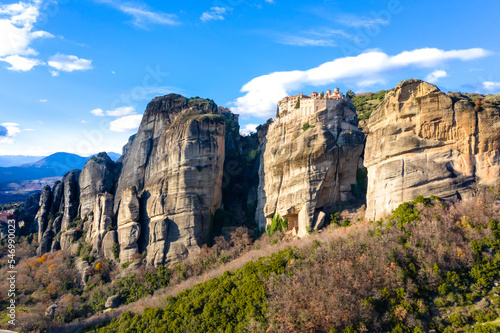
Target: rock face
<point x="57" y="206"/>
<point x="43" y="212"/>
<point x="304" y="173"/>
<point x="70" y="198"/>
<point x="175" y="162"/>
<point x="101" y="221"/>
<point x="129" y="227"/>
<point x="422" y="141"/>
<point x="98" y="176"/>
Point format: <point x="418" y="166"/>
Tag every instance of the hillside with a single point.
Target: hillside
<point x="440" y="273"/>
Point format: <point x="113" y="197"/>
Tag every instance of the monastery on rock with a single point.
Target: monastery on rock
<point x="308" y="104"/>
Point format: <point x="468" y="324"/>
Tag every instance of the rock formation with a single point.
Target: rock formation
<point x="97" y="177"/>
<point x="58" y="207"/>
<point x="70" y="198"/>
<point x="101" y="221"/>
<point x="175" y="162"/>
<point x="422" y="141"/>
<point x="129" y="227"/>
<point x="308" y="165"/>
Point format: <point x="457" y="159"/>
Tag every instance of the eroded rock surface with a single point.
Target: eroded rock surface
<point x="175" y="162"/>
<point x="305" y="173"/>
<point x="97" y="177"/>
<point x="422" y="141"/>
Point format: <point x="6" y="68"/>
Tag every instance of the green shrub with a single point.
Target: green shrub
<point x="306" y="126"/>
<point x="457" y="320"/>
<point x="277" y="224"/>
<point x="116" y="250"/>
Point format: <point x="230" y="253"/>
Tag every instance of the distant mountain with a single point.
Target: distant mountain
<point x="55" y="165"/>
<point x="15" y="160"/>
<point x="114" y="156"/>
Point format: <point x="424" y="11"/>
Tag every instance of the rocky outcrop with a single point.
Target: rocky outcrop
<point x="422" y="141"/>
<point x="43" y="211"/>
<point x="175" y="162"/>
<point x="31" y="207"/>
<point x="101" y="221"/>
<point x="97" y="177"/>
<point x="57" y="196"/>
<point x="112" y="302"/>
<point x="70" y="198"/>
<point x="305" y="171"/>
<point x="108" y="243"/>
<point x="58" y="207"/>
<point x="129" y="227"/>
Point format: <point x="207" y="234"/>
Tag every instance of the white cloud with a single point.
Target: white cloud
<point x="68" y="63"/>
<point x="43" y="100"/>
<point x="126" y="124"/>
<point x="491" y="86"/>
<point x="215" y="13"/>
<point x="121" y="111"/>
<point x="263" y="92"/>
<point x="305" y="41"/>
<point x="16" y="34"/>
<point x="435" y="76"/>
<point x="16" y="28"/>
<point x="98" y="112"/>
<point x="361" y="22"/>
<point x="54" y="73"/>
<point x="248" y="129"/>
<point x="83" y="122"/>
<point x="118" y="112"/>
<point x="21" y="64"/>
<point x="318" y="37"/>
<point x="142" y="17"/>
<point x="8" y="131"/>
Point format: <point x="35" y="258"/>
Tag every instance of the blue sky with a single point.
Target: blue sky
<point x="76" y="76"/>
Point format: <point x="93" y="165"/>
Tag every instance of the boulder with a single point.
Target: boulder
<point x="51" y="310"/>
<point x="112" y="302"/>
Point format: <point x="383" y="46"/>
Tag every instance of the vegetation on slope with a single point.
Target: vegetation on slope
<point x="365" y="103"/>
<point x="429" y="266"/>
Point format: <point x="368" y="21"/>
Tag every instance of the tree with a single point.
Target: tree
<point x="322" y="95"/>
<point x="277" y="111"/>
<point x="297" y="105"/>
<point x="350" y="94"/>
<point x="306" y="126"/>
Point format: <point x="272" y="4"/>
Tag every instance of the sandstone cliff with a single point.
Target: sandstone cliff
<point x="58" y="207"/>
<point x="98" y="176"/>
<point x="422" y="141"/>
<point x="304" y="173"/>
<point x="175" y="163"/>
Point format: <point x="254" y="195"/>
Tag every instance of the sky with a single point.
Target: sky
<point x="76" y="75"/>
